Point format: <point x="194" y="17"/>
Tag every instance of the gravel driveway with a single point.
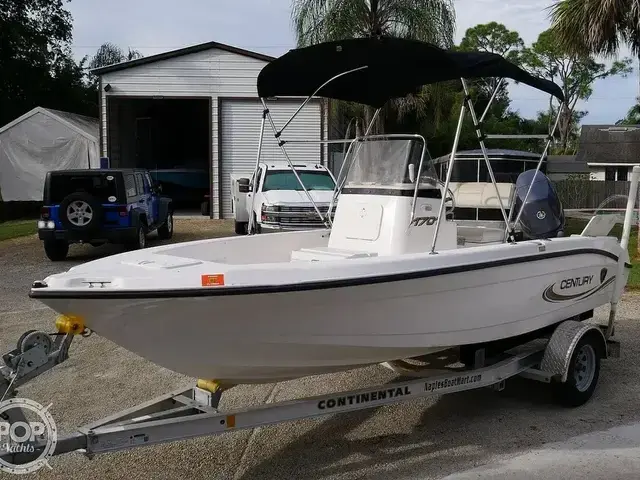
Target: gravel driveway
<point x="430" y="438"/>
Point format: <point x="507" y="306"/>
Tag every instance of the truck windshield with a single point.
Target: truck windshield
<point x="286" y="180"/>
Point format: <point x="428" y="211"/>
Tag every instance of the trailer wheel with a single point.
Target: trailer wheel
<point x="583" y="373"/>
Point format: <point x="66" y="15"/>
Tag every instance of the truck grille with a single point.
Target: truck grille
<point x="297" y="215"/>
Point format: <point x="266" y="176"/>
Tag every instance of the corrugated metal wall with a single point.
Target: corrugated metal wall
<point x="240" y="131"/>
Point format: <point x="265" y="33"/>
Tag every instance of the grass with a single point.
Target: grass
<point x="17" y="228"/>
<point x="575" y="226"/>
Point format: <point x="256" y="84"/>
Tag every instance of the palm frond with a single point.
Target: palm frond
<point x="596" y="26"/>
<point x="433" y="21"/>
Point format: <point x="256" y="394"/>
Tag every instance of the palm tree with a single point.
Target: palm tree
<point x="597" y="27"/>
<point x="433" y="21"/>
<point x="326" y="20"/>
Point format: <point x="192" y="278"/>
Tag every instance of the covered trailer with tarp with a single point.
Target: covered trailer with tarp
<point x="42" y="140"/>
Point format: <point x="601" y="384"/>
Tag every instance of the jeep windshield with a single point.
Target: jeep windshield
<point x="101" y="185"/>
<point x="286" y="180"/>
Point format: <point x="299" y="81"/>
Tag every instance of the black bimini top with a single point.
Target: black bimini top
<point x="388" y="68"/>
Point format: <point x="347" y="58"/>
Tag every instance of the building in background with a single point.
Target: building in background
<point x="609" y="151"/>
<point x="192" y="116"/>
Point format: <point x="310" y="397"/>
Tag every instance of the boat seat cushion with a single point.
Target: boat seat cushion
<point x="480" y="234"/>
<point x="482" y="195"/>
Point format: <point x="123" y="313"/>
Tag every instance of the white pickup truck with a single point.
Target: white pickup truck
<point x="280" y="202"/>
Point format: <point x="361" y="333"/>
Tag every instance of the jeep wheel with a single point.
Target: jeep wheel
<point x="80" y="211"/>
<point x="165" y="231"/>
<point x="56" y="250"/>
<point x="140" y="240"/>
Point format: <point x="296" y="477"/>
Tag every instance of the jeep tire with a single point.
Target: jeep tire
<point x="90" y="206"/>
<point x="140" y="240"/>
<point x="165" y="231"/>
<point x="56" y="250"/>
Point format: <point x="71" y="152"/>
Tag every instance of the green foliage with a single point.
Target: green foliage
<point x="108" y="54"/>
<point x="318" y="21"/>
<point x="17" y="228"/>
<point x="36" y="64"/>
<point x="574" y="72"/>
<point x="434" y="111"/>
<point x="596" y="27"/>
<point x="494" y="37"/>
<point x="432" y="21"/>
<point x="632" y="117"/>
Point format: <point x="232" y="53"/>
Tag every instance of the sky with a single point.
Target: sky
<point x="155" y="26"/>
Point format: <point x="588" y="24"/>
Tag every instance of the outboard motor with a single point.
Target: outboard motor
<point x="542" y="215"/>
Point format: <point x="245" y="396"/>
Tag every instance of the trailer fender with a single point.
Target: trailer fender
<point x="559" y="350"/>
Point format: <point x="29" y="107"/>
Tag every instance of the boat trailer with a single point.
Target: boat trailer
<point x="567" y="357"/>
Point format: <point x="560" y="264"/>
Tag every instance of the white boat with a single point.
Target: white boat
<point x="391" y="278"/>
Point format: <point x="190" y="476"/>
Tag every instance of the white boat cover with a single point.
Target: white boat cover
<point x="42" y="140"/>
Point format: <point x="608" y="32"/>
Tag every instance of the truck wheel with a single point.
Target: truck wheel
<point x="584" y="370"/>
<point x="256" y="226"/>
<point x="56" y="250"/>
<point x="204" y="208"/>
<point x="165" y="231"/>
<point x="241" y="227"/>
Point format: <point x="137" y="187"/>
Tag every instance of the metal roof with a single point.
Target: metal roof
<point x="178" y="53"/>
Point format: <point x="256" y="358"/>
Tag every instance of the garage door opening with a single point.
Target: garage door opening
<point x="171" y="137"/>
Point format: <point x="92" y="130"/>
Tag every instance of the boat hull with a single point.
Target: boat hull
<point x="253" y="337"/>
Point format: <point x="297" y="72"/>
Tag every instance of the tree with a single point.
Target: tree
<point x="494" y="37"/>
<point x="108" y="54"/>
<point x="35" y="59"/>
<point x="317" y="21"/>
<point x="597" y="27"/>
<point x="632" y="117"/>
<point x="575" y="72"/>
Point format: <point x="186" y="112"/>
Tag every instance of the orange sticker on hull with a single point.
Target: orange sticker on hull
<point x="213" y="280"/>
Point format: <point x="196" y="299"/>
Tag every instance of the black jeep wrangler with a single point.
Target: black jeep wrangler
<point x="101" y="206"/>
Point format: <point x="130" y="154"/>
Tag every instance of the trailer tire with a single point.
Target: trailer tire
<point x="583" y="374"/>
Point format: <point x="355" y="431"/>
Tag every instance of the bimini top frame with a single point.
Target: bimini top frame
<point x="372" y="71"/>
